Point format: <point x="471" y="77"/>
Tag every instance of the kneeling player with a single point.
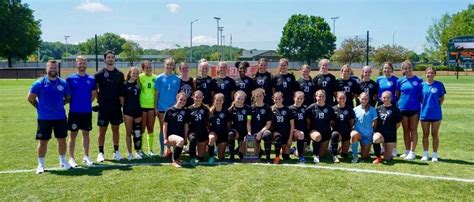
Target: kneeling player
<point x="240" y="124"/>
<point x="219" y="128"/>
<point x="320" y="118"/>
<point x="261" y="122"/>
<point x="343" y="123"/>
<point x="175" y="128"/>
<point x="198" y="127"/>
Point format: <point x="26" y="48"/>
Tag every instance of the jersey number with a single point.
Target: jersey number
<point x="180" y="118"/>
<point x="149" y="85"/>
<point x="280" y="119"/>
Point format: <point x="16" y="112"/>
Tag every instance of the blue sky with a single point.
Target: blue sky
<point x="253" y="24"/>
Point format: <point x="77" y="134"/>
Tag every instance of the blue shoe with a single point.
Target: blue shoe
<point x="302" y="160"/>
<point x="211" y="160"/>
<point x="292" y="150"/>
<point x="193" y="161"/>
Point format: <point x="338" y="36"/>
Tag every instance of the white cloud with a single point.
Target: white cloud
<point x="173" y="8"/>
<point x="154" y="41"/>
<point x="93" y="7"/>
<point x="203" y="40"/>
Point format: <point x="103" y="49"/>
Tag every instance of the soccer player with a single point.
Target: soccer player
<point x="147" y="102"/>
<point x="325" y="81"/>
<point x="283" y="126"/>
<point x="320" y="117"/>
<point x="348" y="85"/>
<point x="204" y="82"/>
<point x="365" y="116"/>
<point x="261" y="122"/>
<point x="409" y="99"/>
<point x="132" y="113"/>
<point x="166" y="86"/>
<point x="263" y="79"/>
<point x="301" y="128"/>
<point x="343" y="123"/>
<point x="388" y="121"/>
<point x="387" y="81"/>
<point x="48" y="95"/>
<point x="240" y="124"/>
<point x="219" y="128"/>
<point x="433" y="96"/>
<point x="109" y="86"/>
<point x="83" y="93"/>
<point x="187" y="83"/>
<point x="224" y="84"/>
<point x="198" y="127"/>
<point x="306" y="85"/>
<point x="368" y="85"/>
<point x="284" y="82"/>
<point x="243" y="82"/>
<point x="175" y="128"/>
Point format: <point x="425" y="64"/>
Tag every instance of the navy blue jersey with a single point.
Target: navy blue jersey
<point x="388" y="117"/>
<point x="198" y="119"/>
<point x="218" y="121"/>
<point x="320" y="118"/>
<point x="264" y="81"/>
<point x="299" y="114"/>
<point x="176" y="119"/>
<point x="342" y="119"/>
<point x="372" y="89"/>
<point x="109" y="87"/>
<point x="285" y="83"/>
<point x="247" y="85"/>
<point x="205" y="85"/>
<point x="308" y="88"/>
<point x="225" y="86"/>
<point x="326" y="82"/>
<point x="260" y="116"/>
<point x="281" y="120"/>
<point x="131" y="94"/>
<point x="350" y="87"/>
<point x="239" y="118"/>
<point x="187" y="87"/>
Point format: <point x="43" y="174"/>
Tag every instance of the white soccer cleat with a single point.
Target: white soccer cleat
<point x="316" y="159"/>
<point x="434" y="158"/>
<point x="424" y="158"/>
<point x="130" y="156"/>
<point x="139" y="156"/>
<point x="87" y="161"/>
<point x="64" y="165"/>
<point x="73" y="163"/>
<point x="100" y="157"/>
<point x="394" y="152"/>
<point x="410" y="156"/>
<point x="117" y="156"/>
<point x="39" y="169"/>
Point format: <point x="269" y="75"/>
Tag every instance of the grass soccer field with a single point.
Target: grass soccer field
<point x="452" y="178"/>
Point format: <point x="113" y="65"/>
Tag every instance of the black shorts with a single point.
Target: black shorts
<point x="202" y="136"/>
<point x="222" y="137"/>
<point x="241" y="133"/>
<point x="325" y="136"/>
<point x="110" y="115"/>
<point x="46" y="127"/>
<point x="389" y="137"/>
<point x="133" y="113"/>
<point x="285" y="138"/>
<point x="79" y="121"/>
<point x="147" y="109"/>
<point x="410" y="113"/>
<point x="430" y="120"/>
<point x="345" y="135"/>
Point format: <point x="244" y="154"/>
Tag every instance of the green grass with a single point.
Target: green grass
<point x="233" y="182"/>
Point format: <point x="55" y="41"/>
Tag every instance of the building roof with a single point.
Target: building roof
<point x="255" y="53"/>
<point x="143" y="57"/>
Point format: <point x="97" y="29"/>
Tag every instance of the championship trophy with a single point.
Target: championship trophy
<point x="250" y="155"/>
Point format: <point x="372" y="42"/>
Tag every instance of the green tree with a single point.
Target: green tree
<point x="412" y="56"/>
<point x="306" y="38"/>
<point x="108" y="41"/>
<point x="389" y="53"/>
<point x="351" y="50"/>
<point x="20" y="33"/>
<point x="131" y="52"/>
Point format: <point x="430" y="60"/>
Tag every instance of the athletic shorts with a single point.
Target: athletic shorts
<point x="324" y="136"/>
<point x="46" y="127"/>
<point x="79" y="121"/>
<point x="222" y="137"/>
<point x="345" y="136"/>
<point x="241" y="133"/>
<point x="132" y="113"/>
<point x="366" y="139"/>
<point x="108" y="115"/>
<point x="202" y="136"/>
<point x="285" y="138"/>
<point x="389" y="137"/>
<point x="430" y="120"/>
<point x="147" y="109"/>
<point x="410" y="113"/>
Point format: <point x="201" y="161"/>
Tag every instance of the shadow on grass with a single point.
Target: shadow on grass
<point x="456" y="161"/>
<point x="91" y="171"/>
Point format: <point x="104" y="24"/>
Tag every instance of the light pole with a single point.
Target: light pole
<point x="393" y="38"/>
<point x="221" y="55"/>
<point x="217" y="19"/>
<point x="66" y="37"/>
<point x="334" y="24"/>
<point x="191" y="42"/>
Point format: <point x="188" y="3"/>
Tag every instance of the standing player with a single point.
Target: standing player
<point x="320" y="117"/>
<point x="387" y="82"/>
<point x="410" y="95"/>
<point x="166" y="86"/>
<point x="301" y="128"/>
<point x="368" y="85"/>
<point x="48" y="95"/>
<point x="243" y="82"/>
<point x="263" y="79"/>
<point x="132" y="113"/>
<point x="109" y="85"/>
<point x="284" y="82"/>
<point x="306" y="85"/>
<point x="224" y="85"/>
<point x="187" y="83"/>
<point x="83" y="93"/>
<point x="204" y="82"/>
<point x="325" y="81"/>
<point x="198" y="127"/>
<point x="261" y="122"/>
<point x="431" y="115"/>
<point x="388" y="121"/>
<point x="240" y="124"/>
<point x="219" y="119"/>
<point x="348" y="85"/>
<point x="365" y="116"/>
<point x="175" y="128"/>
<point x="147" y="102"/>
<point x="283" y="126"/>
<point x="343" y="123"/>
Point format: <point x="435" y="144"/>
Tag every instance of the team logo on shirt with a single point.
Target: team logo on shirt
<point x="264" y="77"/>
<point x="414" y="83"/>
<point x="434" y="90"/>
<point x="163" y="79"/>
<point x="246" y="80"/>
<point x="174" y="81"/>
<point x="106" y="74"/>
<point x="325" y="110"/>
<point x="389" y="112"/>
<point x="208" y="80"/>
<point x="283" y="112"/>
<point x="60" y="87"/>
<point x="371" y="86"/>
<point x="345" y="112"/>
<point x="262" y="111"/>
<point x="226" y="81"/>
<point x="201" y="111"/>
<point x="390" y="83"/>
<point x="302" y="110"/>
<point x="74" y="126"/>
<point x="88" y="82"/>
<point x="244" y="111"/>
<point x="221" y="115"/>
<point x="288" y="79"/>
<point x="309" y="83"/>
<point x="328" y="78"/>
<point x="182" y="112"/>
<point x="349" y="83"/>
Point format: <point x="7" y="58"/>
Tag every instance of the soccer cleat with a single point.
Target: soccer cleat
<point x="434" y="158"/>
<point x="117" y="156"/>
<point x="335" y="159"/>
<point x="100" y="157"/>
<point x="64" y="165"/>
<point x="316" y="159"/>
<point x="139" y="155"/>
<point x="277" y="160"/>
<point x="192" y="161"/>
<point x="176" y="164"/>
<point x="424" y="158"/>
<point x="355" y="159"/>
<point x="87" y="161"/>
<point x="307" y="149"/>
<point x="404" y="155"/>
<point x="211" y="160"/>
<point x="378" y="160"/>
<point x="151" y="153"/>
<point x="301" y="159"/>
<point x="410" y="157"/>
<point x="130" y="156"/>
<point x="394" y="152"/>
<point x="292" y="150"/>
<point x="72" y="162"/>
<point x="185" y="149"/>
<point x="39" y="169"/>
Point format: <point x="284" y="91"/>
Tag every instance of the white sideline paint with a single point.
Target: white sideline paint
<point x="261" y="164"/>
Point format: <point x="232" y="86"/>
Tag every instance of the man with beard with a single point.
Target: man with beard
<point x="48" y="95"/>
<point x="109" y="84"/>
<point x="83" y="92"/>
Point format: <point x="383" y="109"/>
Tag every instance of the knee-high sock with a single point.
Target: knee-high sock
<point x="278" y="143"/>
<point x="316" y="148"/>
<point x="150" y="139"/>
<point x="177" y="153"/>
<point x="162" y="143"/>
<point x="355" y="149"/>
<point x="300" y="147"/>
<point x="192" y="145"/>
<point x="334" y="143"/>
<point x="211" y="150"/>
<point x="231" y="140"/>
<point x="377" y="149"/>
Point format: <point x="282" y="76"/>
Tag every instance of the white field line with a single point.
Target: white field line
<point x="433" y="177"/>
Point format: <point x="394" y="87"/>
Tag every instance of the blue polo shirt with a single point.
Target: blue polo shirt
<point x="167" y="86"/>
<point x="430" y="106"/>
<point x="81" y="92"/>
<point x="387" y="84"/>
<point x="50" y="98"/>
<point x="410" y="93"/>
